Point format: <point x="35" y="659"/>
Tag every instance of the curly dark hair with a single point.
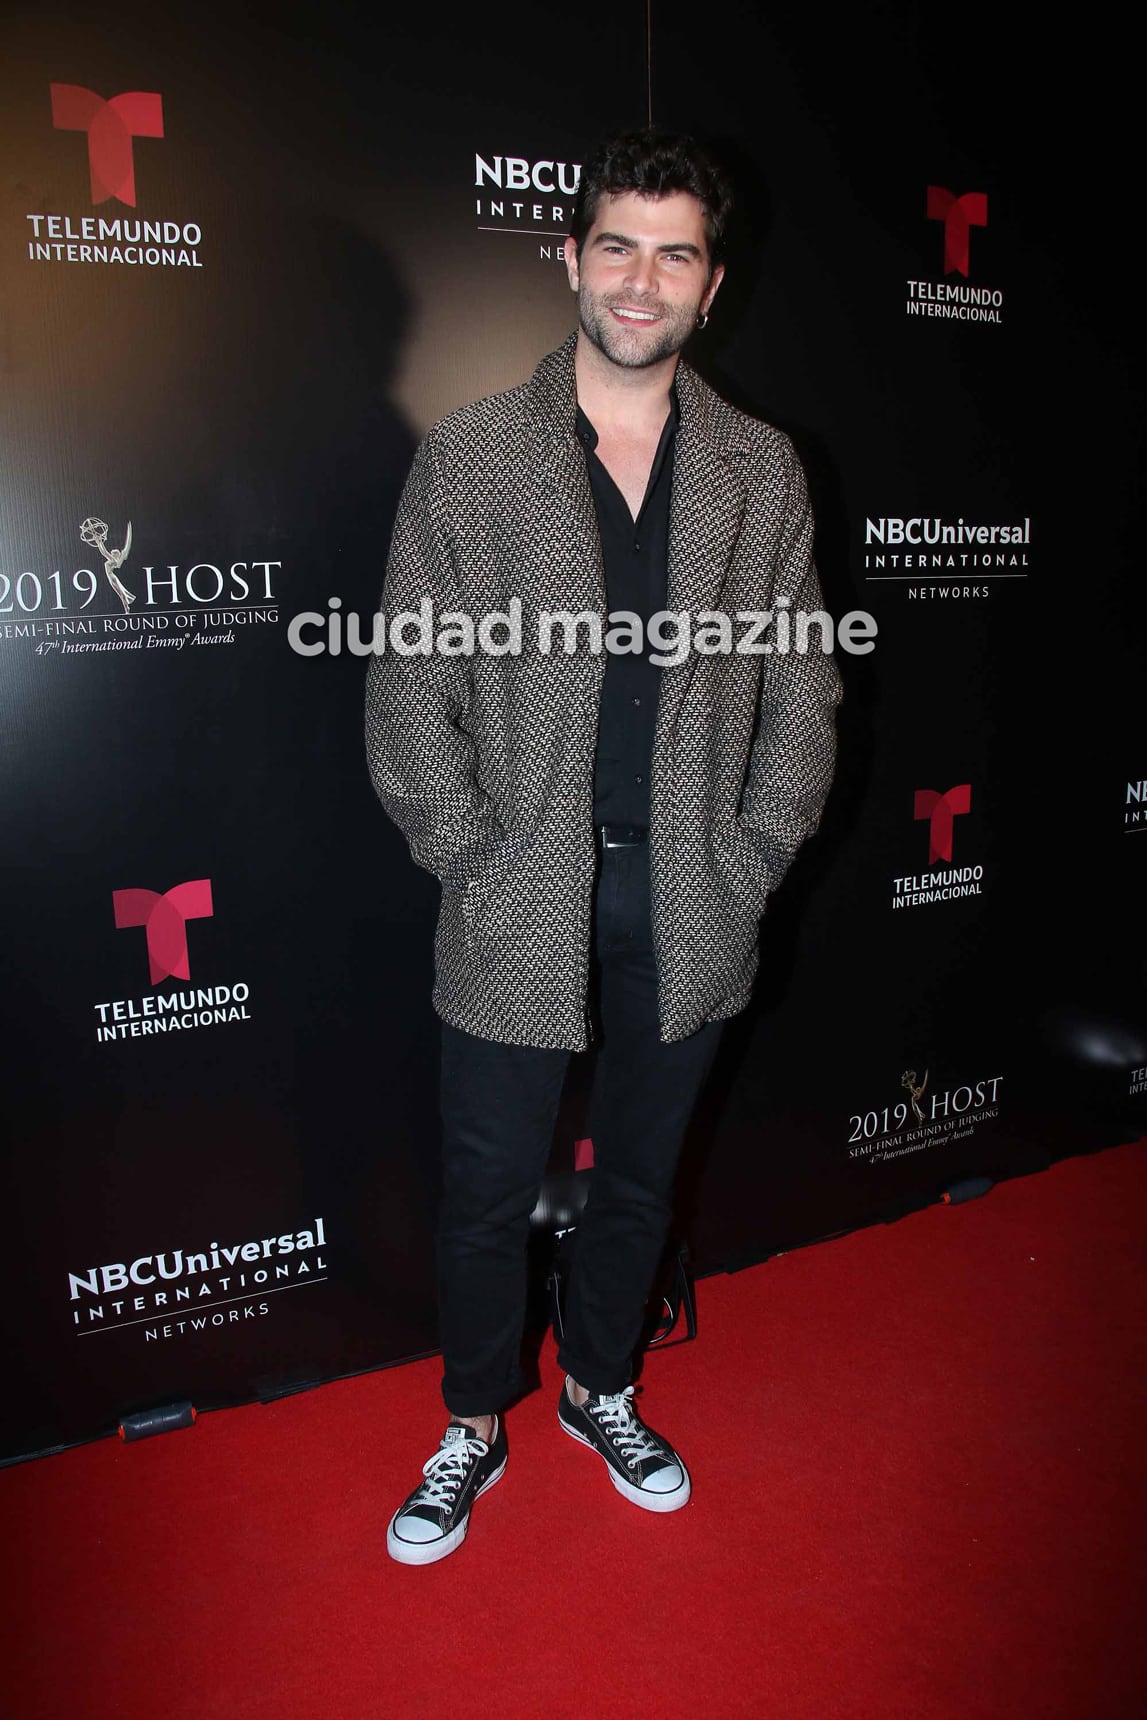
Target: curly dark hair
<point x="654" y="164"/>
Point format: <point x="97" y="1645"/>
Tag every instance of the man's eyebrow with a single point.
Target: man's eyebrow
<point x="622" y="239"/>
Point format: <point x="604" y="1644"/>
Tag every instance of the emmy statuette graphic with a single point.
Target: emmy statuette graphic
<point x="95" y="533"/>
<point x="908" y="1082"/>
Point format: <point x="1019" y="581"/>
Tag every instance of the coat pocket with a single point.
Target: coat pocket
<point x="737" y="870"/>
<point x="481" y="916"/>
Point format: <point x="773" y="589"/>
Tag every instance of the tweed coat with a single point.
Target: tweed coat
<point x="486" y="762"/>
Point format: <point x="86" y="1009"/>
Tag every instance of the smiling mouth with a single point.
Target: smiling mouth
<point x="636" y="318"/>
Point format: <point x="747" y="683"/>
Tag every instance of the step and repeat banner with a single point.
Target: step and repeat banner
<point x="246" y="263"/>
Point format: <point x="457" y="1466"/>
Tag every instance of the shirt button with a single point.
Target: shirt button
<point x="639" y="780"/>
<point x="637" y="701"/>
<point x="636" y="543"/>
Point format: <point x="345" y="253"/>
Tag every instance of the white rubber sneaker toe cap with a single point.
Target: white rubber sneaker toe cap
<point x="416" y="1530"/>
<point x="666" y="1480"/>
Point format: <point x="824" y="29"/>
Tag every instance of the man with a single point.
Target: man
<point x="606" y="827"/>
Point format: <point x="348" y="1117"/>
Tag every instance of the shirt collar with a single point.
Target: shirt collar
<point x="588" y="434"/>
<point x="550" y="402"/>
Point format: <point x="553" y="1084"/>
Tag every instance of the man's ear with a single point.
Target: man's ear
<point x="715" y="280"/>
<point x="569" y="251"/>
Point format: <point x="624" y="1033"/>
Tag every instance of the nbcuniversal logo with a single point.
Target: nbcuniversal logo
<point x="531" y="198"/>
<point x="177" y="1292"/>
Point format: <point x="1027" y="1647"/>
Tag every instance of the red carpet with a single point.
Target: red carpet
<point x="916" y="1455"/>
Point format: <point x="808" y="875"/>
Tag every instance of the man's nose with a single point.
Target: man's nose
<point x="643" y="273"/>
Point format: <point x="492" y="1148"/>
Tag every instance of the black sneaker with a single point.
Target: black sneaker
<point x="641" y="1465"/>
<point x="434" y="1519"/>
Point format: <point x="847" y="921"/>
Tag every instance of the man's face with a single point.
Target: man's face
<point x="642" y="276"/>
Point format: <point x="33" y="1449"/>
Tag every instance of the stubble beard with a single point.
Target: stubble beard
<point x="634" y="349"/>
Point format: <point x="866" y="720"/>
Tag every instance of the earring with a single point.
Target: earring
<point x="703" y="319"/>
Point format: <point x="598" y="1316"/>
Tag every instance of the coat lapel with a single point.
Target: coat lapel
<point x="569" y="495"/>
<point x="706" y="516"/>
<point x="561" y="466"/>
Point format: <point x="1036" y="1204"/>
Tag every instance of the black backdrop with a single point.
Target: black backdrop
<point x="350" y="271"/>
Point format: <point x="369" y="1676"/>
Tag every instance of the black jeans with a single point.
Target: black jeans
<point x="499" y="1106"/>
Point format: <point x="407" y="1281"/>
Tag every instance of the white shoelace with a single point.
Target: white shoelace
<point x="446" y="1471"/>
<point x="615" y="1415"/>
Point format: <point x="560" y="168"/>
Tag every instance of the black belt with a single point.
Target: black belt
<point x="622" y="835"/>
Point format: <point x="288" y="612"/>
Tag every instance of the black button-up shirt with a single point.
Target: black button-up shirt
<point x="635" y="555"/>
